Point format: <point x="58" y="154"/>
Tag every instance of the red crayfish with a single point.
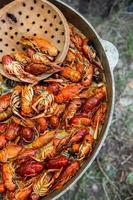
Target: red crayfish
<point x="30" y="168"/>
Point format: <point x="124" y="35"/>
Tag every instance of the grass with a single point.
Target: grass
<point x="130" y="45"/>
<point x="129" y="179"/>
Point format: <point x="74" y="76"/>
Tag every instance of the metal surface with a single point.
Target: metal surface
<point x="77" y="20"/>
<point x="111" y="53"/>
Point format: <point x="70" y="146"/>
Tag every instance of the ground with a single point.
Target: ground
<point x="111" y="175"/>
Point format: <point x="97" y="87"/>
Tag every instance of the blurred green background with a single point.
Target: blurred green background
<point x="111" y="175"/>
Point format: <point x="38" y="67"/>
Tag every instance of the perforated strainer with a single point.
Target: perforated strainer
<point x="32" y="17"/>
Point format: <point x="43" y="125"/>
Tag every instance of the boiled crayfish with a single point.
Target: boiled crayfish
<point x="49" y="127"/>
<point x="16" y="69"/>
<point x="41" y="44"/>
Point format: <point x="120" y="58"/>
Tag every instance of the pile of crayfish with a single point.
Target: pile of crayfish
<point x="48" y="128"/>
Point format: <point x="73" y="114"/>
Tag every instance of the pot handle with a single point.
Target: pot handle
<point x="111" y="52"/>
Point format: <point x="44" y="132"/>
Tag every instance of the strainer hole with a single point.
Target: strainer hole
<point x="33" y="22"/>
<point x="27" y="16"/>
<point x="22" y="24"/>
<point x="49" y="11"/>
<point x="16" y="33"/>
<point x="17" y="43"/>
<point x="52" y="36"/>
<point x="31" y="8"/>
<point x="13" y="49"/>
<point x="24" y="4"/>
<point x="60" y="23"/>
<point x="12" y="37"/>
<point x="62" y="33"/>
<point x="41" y="27"/>
<point x="6" y="45"/>
<point x="58" y="41"/>
<point x="6" y="33"/>
<point x="42" y="6"/>
<point x="28" y="29"/>
<point x="34" y="1"/>
<point x="10" y="28"/>
<point x="34" y="34"/>
<point x="38" y="15"/>
<point x="0" y="39"/>
<point x="1" y="51"/>
<point x="3" y="21"/>
<point x="20" y="13"/>
<point x="55" y="16"/>
<point x="46" y="32"/>
<point x="45" y="20"/>
<point x="56" y="29"/>
<point x="51" y="24"/>
<point x="12" y="17"/>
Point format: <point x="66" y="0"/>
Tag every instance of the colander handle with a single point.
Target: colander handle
<point x="111" y="52"/>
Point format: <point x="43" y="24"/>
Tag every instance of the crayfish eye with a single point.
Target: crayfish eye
<point x="85" y="78"/>
<point x="87" y="140"/>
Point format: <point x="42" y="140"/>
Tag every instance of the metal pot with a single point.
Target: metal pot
<point x="109" y="57"/>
